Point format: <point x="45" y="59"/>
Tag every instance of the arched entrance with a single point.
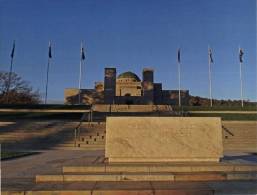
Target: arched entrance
<point x="128" y="100"/>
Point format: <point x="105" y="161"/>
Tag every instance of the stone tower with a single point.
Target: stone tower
<point x="148" y="85"/>
<point x="109" y="85"/>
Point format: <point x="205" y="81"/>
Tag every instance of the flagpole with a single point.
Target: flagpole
<point x="241" y="81"/>
<point x="179" y="87"/>
<point x="9" y="80"/>
<point x="10" y="73"/>
<point x="47" y="71"/>
<point x="80" y="73"/>
<point x="210" y="83"/>
<point x="179" y="90"/>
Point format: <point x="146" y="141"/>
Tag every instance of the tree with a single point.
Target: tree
<point x="195" y="101"/>
<point x="20" y="92"/>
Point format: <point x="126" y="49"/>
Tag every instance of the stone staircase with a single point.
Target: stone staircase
<point x="240" y="136"/>
<point x="90" y="136"/>
<point x="197" y="172"/>
<point x="157" y="179"/>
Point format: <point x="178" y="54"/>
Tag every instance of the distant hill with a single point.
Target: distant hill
<point x="200" y="101"/>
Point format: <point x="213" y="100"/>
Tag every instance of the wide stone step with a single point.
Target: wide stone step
<point x="169" y="177"/>
<point x="91" y="143"/>
<point x="113" y="192"/>
<point x="240" y="145"/>
<point x="175" y="168"/>
<point x="240" y="139"/>
<point x="234" y="149"/>
<point x="78" y="149"/>
<point x="92" y="137"/>
<point x="243" y="137"/>
<point x="93" y="128"/>
<point x="235" y="141"/>
<point x="142" y="188"/>
<point x="90" y="146"/>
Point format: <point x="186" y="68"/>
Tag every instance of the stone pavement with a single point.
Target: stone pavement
<point x="19" y="175"/>
<point x="26" y="168"/>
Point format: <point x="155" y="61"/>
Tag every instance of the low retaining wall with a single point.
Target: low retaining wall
<point x="131" y="108"/>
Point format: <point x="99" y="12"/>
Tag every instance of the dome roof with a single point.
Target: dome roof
<point x="129" y="75"/>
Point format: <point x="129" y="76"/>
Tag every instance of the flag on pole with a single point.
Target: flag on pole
<point x="241" y="53"/>
<point x="50" y="50"/>
<point x="210" y="56"/>
<point x="82" y="53"/>
<point x="179" y="55"/>
<point x="13" y="49"/>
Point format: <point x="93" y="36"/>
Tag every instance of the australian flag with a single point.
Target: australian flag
<point x="210" y="55"/>
<point x="82" y="53"/>
<point x="13" y="49"/>
<point x="241" y="53"/>
<point x="179" y="55"/>
<point x="50" y="50"/>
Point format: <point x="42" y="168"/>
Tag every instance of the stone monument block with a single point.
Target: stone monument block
<point x="163" y="139"/>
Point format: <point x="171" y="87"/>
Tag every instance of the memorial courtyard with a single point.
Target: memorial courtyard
<point x="123" y="152"/>
<point x="128" y="97"/>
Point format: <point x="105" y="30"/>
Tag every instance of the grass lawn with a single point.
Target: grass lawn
<point x="216" y="108"/>
<point x="227" y="116"/>
<point x="43" y="106"/>
<point x="14" y="154"/>
<point x="12" y="116"/>
<point x="5" y="116"/>
<point x="74" y="107"/>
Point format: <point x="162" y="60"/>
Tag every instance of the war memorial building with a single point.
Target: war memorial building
<point x="126" y="88"/>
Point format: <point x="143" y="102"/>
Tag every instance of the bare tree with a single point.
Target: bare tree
<point x="17" y="91"/>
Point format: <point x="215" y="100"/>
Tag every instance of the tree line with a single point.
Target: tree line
<point x="14" y="90"/>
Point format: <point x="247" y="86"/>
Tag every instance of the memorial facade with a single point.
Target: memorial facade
<point x="126" y="88"/>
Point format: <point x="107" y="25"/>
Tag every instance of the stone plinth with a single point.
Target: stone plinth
<point x="163" y="139"/>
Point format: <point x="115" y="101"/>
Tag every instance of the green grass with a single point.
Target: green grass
<point x="74" y="107"/>
<point x="12" y="116"/>
<point x="14" y="154"/>
<point x="43" y="106"/>
<point x="39" y="116"/>
<point x="227" y="116"/>
<point x="216" y="108"/>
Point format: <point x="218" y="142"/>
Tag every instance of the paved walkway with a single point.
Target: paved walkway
<point x="19" y="174"/>
<point x="44" y="110"/>
<point x="225" y="112"/>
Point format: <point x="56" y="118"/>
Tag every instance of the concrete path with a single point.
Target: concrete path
<point x="44" y="110"/>
<point x="19" y="174"/>
<point x="225" y="112"/>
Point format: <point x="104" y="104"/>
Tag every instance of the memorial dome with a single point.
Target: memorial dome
<point x="129" y="75"/>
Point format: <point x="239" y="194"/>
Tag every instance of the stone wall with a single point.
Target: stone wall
<point x="88" y="96"/>
<point x="148" y="85"/>
<point x="163" y="139"/>
<point x="131" y="108"/>
<point x="128" y="87"/>
<point x="109" y="84"/>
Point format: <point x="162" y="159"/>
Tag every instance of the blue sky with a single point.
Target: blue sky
<point x="131" y="35"/>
